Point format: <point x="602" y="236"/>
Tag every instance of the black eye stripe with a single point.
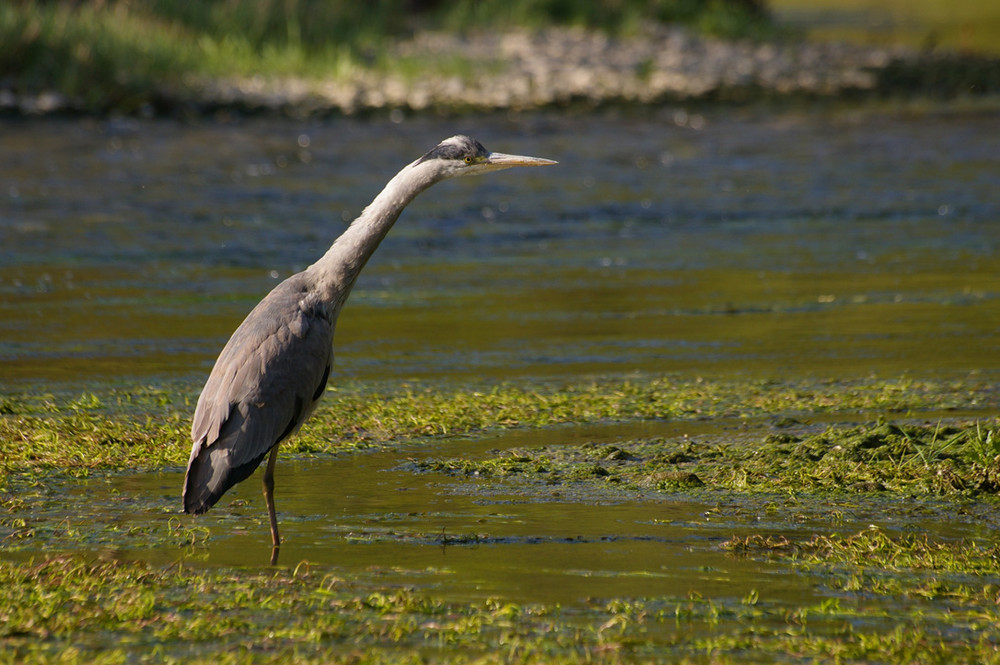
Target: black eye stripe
<point x="463" y="149"/>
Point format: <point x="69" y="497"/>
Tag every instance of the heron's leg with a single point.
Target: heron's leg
<point x="269" y="495"/>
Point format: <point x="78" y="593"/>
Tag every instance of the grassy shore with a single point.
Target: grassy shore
<point x="123" y="55"/>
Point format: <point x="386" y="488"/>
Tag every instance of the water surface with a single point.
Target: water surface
<point x="796" y="247"/>
<point x="799" y="245"/>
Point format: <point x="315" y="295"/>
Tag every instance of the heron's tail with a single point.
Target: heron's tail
<point x="198" y="495"/>
<point x="210" y="474"/>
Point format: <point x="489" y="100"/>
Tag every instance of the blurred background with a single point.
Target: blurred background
<point x="124" y="55"/>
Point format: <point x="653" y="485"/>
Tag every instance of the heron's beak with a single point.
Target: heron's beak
<point x="498" y="160"/>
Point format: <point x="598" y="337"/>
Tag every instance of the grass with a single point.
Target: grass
<point x="148" y="428"/>
<point x="885" y="596"/>
<point x="125" y="55"/>
<point x="67" y="610"/>
<point x="932" y="460"/>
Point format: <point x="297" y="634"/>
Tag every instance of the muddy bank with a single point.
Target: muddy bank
<point x="557" y="66"/>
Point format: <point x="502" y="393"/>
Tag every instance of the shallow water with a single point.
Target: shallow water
<point x="799" y="245"/>
<point x="791" y="247"/>
<point x="425" y="530"/>
<point x="370" y="518"/>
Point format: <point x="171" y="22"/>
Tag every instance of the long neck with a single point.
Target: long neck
<point x="337" y="270"/>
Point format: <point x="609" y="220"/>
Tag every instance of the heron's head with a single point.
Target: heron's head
<point x="462" y="155"/>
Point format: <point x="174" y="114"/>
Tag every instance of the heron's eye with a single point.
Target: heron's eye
<point x="468" y="160"/>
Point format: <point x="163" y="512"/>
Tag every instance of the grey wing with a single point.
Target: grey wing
<point x="264" y="385"/>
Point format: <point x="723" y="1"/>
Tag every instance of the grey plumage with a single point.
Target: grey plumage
<point x="265" y="384"/>
<point x="273" y="370"/>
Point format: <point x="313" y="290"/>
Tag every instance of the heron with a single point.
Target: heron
<point x="273" y="371"/>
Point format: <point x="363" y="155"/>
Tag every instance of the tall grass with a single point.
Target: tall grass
<point x="118" y="53"/>
<point x="103" y="56"/>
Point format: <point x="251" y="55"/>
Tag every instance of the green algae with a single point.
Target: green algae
<point x="147" y="428"/>
<point x="71" y="610"/>
<point x="955" y="459"/>
<point x="874" y="548"/>
<point x="784" y="464"/>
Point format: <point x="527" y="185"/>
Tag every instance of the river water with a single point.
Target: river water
<point x="794" y="246"/>
<point x="813" y="244"/>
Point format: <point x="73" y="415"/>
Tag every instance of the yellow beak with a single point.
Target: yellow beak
<point x="500" y="160"/>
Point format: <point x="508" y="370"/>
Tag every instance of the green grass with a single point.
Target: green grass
<point x="732" y="18"/>
<point x="148" y="428"/>
<point x="958" y="460"/>
<point x="123" y="55"/>
<point x="886" y="596"/>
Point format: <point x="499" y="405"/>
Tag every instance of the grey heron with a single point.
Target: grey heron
<point x="273" y="370"/>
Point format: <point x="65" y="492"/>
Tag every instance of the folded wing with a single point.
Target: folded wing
<point x="265" y="384"/>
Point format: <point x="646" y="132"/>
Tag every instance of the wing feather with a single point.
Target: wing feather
<point x="264" y="385"/>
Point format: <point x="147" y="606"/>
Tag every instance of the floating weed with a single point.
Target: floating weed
<point x="67" y="609"/>
<point x="883" y="592"/>
<point x="939" y="460"/>
<point x="983" y="447"/>
<point x="148" y="428"/>
<point x="872" y="458"/>
<point x="873" y="547"/>
<point x="88" y="401"/>
<point x="873" y="563"/>
<point x="187" y="535"/>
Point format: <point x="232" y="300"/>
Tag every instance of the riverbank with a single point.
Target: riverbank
<point x="555" y="67"/>
<point x="529" y="69"/>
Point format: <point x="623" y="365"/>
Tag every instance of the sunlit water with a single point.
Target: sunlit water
<point x="794" y="247"/>
<point x="814" y="245"/>
<point x="371" y="519"/>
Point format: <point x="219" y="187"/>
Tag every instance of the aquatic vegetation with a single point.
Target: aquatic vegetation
<point x="874" y="548"/>
<point x="148" y="428"/>
<point x="923" y="459"/>
<point x="909" y="566"/>
<point x="70" y="610"/>
<point x="878" y="594"/>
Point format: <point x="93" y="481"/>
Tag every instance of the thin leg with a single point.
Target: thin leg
<point x="269" y="500"/>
